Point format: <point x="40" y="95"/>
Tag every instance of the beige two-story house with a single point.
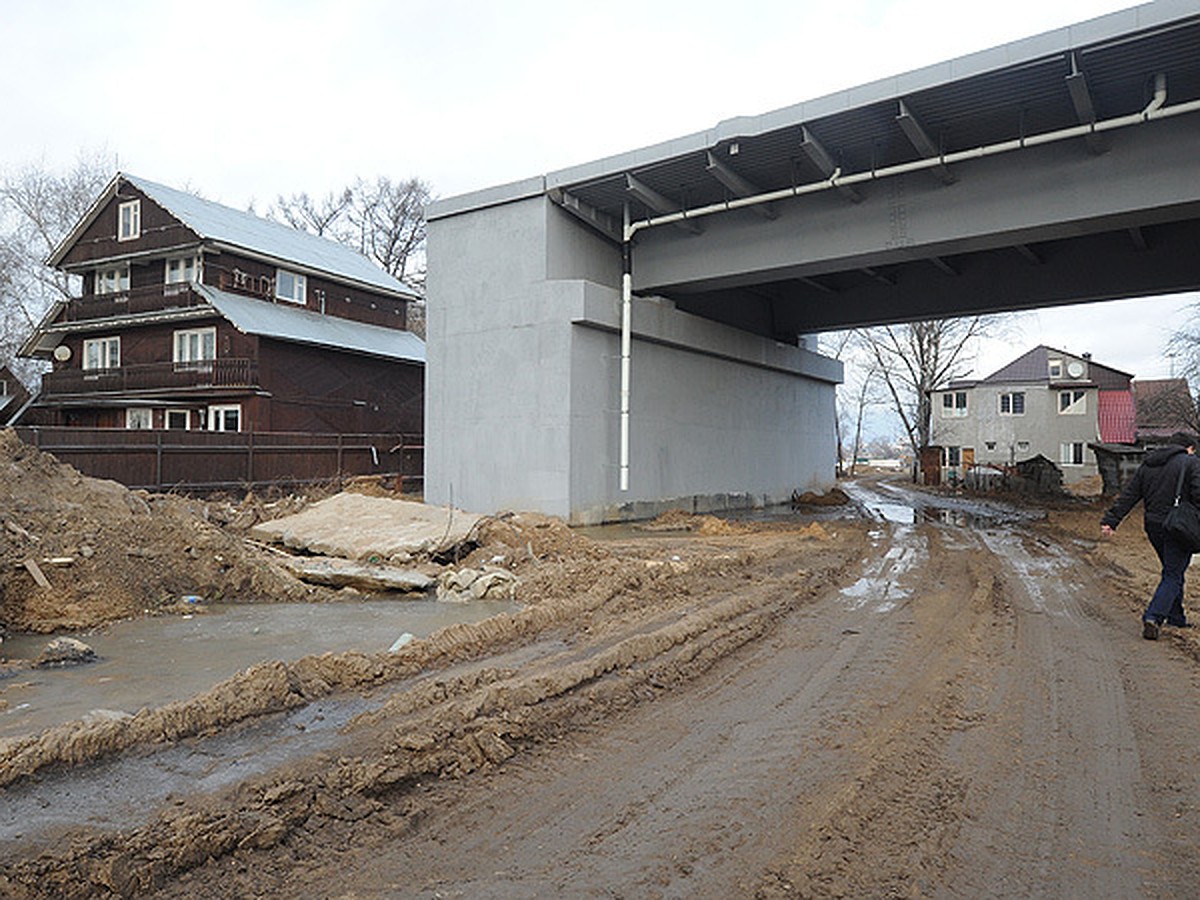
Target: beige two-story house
<point x="1046" y="402"/>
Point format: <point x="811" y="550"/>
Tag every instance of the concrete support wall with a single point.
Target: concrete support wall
<point x="522" y="393"/>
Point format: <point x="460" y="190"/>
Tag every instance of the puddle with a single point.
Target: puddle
<point x="153" y="661"/>
<point x="893" y="503"/>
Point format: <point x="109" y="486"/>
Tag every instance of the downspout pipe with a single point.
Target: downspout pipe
<point x="626" y="343"/>
<point x="1154" y="111"/>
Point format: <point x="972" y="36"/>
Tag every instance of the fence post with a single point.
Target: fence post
<point x="339" y="455"/>
<point x="250" y="460"/>
<point x="158" y="456"/>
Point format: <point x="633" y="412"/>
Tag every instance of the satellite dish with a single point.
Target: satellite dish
<point x="62" y="352"/>
<point x="1075" y="369"/>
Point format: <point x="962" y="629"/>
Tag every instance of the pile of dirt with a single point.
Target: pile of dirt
<point x="519" y="539"/>
<point x="76" y="552"/>
<point x="678" y="520"/>
<point x="833" y="497"/>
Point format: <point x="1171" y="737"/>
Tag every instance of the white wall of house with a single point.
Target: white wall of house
<point x="996" y="434"/>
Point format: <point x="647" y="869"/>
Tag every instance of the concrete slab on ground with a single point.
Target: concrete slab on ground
<point x="355" y="526"/>
<point x="337" y="572"/>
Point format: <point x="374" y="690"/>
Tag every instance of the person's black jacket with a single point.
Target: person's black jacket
<point x="1154" y="484"/>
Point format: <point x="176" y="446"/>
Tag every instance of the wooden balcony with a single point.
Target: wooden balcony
<point x="132" y="302"/>
<point x="215" y="373"/>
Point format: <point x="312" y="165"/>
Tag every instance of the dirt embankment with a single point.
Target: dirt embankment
<point x="76" y="551"/>
<point x="604" y="627"/>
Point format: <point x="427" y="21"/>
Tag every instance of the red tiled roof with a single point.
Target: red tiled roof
<point x="1117" y="417"/>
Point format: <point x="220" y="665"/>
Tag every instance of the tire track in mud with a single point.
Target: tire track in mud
<point x="885" y="824"/>
<point x="440" y="726"/>
<point x="1066" y="810"/>
<point x="702" y="792"/>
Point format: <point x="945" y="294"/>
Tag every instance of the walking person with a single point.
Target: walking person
<point x="1154" y="484"/>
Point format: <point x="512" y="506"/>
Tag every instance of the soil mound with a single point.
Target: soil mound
<point x="832" y="497"/>
<point x="76" y="552"/>
<point x="678" y="520"/>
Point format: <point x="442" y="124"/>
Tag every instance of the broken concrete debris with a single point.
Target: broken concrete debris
<point x="403" y="641"/>
<point x="341" y="573"/>
<point x="356" y="526"/>
<point x="477" y="584"/>
<point x="64" y="651"/>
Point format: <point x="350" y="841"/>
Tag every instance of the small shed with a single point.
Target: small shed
<point x="931" y="465"/>
<point x="1117" y="463"/>
<point x="1040" y="475"/>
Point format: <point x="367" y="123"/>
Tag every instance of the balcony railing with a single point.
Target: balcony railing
<point x="153" y="376"/>
<point x="136" y="300"/>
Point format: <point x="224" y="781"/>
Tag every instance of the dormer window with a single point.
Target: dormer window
<point x="112" y="279"/>
<point x="129" y="220"/>
<point x="291" y="287"/>
<point x="1056" y="368"/>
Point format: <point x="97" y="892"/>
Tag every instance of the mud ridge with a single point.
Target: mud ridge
<point x="440" y="727"/>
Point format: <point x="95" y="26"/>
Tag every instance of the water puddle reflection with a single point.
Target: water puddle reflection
<point x="153" y="661"/>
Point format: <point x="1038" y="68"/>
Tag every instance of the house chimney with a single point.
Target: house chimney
<point x="1087" y="356"/>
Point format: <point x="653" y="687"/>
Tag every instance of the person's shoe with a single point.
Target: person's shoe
<point x="1150" y="630"/>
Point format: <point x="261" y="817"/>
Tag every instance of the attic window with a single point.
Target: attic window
<point x="1056" y="369"/>
<point x="290" y="286"/>
<point x="129" y="220"/>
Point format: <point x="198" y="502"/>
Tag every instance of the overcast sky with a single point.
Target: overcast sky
<point x="244" y="101"/>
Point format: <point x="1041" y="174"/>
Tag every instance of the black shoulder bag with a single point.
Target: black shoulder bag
<point x="1183" y="521"/>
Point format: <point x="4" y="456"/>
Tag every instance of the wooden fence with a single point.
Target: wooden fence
<point x="208" y="460"/>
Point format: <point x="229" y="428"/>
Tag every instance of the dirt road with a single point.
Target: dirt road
<point x="853" y="708"/>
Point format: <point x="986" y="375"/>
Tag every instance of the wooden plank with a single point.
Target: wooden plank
<point x="35" y="570"/>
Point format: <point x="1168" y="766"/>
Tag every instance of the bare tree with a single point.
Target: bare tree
<point x="390" y="220"/>
<point x="1184" y="345"/>
<point x="864" y="395"/>
<point x="914" y="359"/>
<point x="382" y="219"/>
<point x="326" y="217"/>
<point x="38" y="208"/>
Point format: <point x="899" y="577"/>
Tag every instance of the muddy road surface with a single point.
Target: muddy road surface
<point x="894" y="705"/>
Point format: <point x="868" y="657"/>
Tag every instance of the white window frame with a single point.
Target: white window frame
<point x="952" y="409"/>
<point x="187" y="419"/>
<point x="139" y="418"/>
<point x="298" y="284"/>
<point x="1055" y="367"/>
<point x="953" y="457"/>
<point x="1022" y="446"/>
<point x="107" y="353"/>
<point x="191" y="346"/>
<point x="1011" y="398"/>
<point x="1067" y="453"/>
<point x="215" y="416"/>
<point x="112" y="280"/>
<point x="187" y="269"/>
<point x="1076" y="402"/>
<point x="129" y="220"/>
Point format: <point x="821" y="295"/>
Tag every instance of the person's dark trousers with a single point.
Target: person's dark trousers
<point x="1167" y="602"/>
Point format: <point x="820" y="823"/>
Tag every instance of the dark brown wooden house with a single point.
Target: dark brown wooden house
<point x="196" y="316"/>
<point x="13" y="395"/>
